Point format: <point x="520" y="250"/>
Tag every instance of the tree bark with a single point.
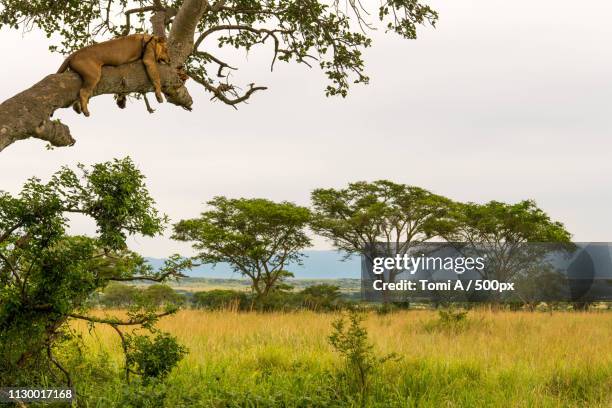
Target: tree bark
<point x="28" y="114"/>
<point x="183" y="29"/>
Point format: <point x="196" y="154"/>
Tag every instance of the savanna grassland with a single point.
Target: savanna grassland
<point x="493" y="359"/>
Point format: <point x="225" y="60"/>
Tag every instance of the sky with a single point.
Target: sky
<point x="503" y="100"/>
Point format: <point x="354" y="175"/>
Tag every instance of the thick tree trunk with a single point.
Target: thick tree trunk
<point x="183" y="29"/>
<point x="28" y="114"/>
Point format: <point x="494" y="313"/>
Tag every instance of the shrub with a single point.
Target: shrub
<point x="159" y="295"/>
<point x="222" y="299"/>
<point x="153" y="357"/>
<point x="360" y="359"/>
<point x="278" y="300"/>
<point x="450" y="321"/>
<point x="119" y="295"/>
<point x="152" y="394"/>
<point x="317" y="297"/>
<point x="322" y="297"/>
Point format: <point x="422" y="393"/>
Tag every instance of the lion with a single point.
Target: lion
<point x="88" y="62"/>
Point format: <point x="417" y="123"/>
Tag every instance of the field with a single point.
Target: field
<point x="495" y="359"/>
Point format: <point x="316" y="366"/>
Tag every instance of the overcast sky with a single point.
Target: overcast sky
<point x="504" y="100"/>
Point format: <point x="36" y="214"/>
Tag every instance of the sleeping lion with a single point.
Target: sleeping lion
<point x="88" y="62"/>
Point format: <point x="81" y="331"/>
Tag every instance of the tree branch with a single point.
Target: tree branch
<point x="125" y="351"/>
<point x="216" y="60"/>
<point x="161" y="277"/>
<point x="128" y="13"/>
<point x="28" y="113"/>
<point x="147" y="104"/>
<point x="117" y="322"/>
<point x="220" y="90"/>
<point x="59" y="366"/>
<point x="259" y="31"/>
<point x="8" y="263"/>
<point x="184" y="27"/>
<point x="8" y="232"/>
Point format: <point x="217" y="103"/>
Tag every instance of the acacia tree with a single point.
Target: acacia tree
<point x="515" y="240"/>
<point x="330" y="34"/>
<point x="257" y="237"/>
<point x="381" y="218"/>
<point x="502" y="231"/>
<point x="47" y="275"/>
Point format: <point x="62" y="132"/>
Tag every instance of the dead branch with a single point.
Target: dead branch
<point x="220" y="90"/>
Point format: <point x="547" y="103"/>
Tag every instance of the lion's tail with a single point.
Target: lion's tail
<point x="64" y="66"/>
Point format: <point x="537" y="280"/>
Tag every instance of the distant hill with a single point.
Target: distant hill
<point x="317" y="265"/>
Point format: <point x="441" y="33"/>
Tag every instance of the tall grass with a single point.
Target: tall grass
<point x="499" y="359"/>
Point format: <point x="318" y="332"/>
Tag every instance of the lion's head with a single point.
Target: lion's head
<point x="161" y="50"/>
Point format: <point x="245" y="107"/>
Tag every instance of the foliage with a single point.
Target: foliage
<point x="47" y="275"/>
<point x="451" y="316"/>
<point x="509" y="235"/>
<point x="322" y="297"/>
<point x="221" y="299"/>
<point x="149" y="394"/>
<point x="361" y="362"/>
<point x="153" y="357"/>
<point x="119" y="295"/>
<point x="449" y="320"/>
<point x="356" y="217"/>
<point x="160" y="295"/>
<point x="498" y="222"/>
<point x="363" y="214"/>
<point x="322" y="290"/>
<point x="540" y="284"/>
<point x="275" y="301"/>
<point x="399" y="217"/>
<point x="332" y="35"/>
<point x="258" y="238"/>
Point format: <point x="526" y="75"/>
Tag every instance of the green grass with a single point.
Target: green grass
<point x="498" y="359"/>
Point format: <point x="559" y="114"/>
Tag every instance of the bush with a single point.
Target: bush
<point x="222" y="299"/>
<point x="317" y="297"/>
<point x="153" y="358"/>
<point x="159" y="295"/>
<point x="449" y="320"/>
<point x="153" y="394"/>
<point x="119" y="295"/>
<point x="278" y="301"/>
<point x="361" y="362"/>
<point x="322" y="297"/>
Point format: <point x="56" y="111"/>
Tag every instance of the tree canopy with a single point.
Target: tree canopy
<point x="503" y="231"/>
<point x="357" y="217"/>
<point x="498" y="222"/>
<point x="329" y="34"/>
<point x="257" y="237"/>
<point x="47" y="275"/>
